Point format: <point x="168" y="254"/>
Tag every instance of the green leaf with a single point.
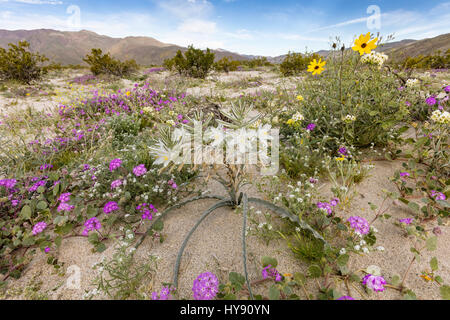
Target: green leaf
<point x="445" y="292"/>
<point x="28" y="241"/>
<point x="158" y="226"/>
<point x="434" y="264"/>
<point x="414" y="206"/>
<point x="64" y="229"/>
<point x="432" y="243"/>
<point x="42" y="205"/>
<point x="100" y="247"/>
<point x="58" y="241"/>
<point x="315" y="271"/>
<point x="409" y="295"/>
<point x="395" y="280"/>
<point x="343" y="260"/>
<point x="237" y="279"/>
<point x="274" y="293"/>
<point x="25" y="213"/>
<point x="266" y="261"/>
<point x="93" y="237"/>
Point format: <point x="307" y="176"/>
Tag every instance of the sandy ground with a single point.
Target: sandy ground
<point x="216" y="246"/>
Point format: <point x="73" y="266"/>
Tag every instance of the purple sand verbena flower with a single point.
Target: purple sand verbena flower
<point x="438" y="195"/>
<point x="406" y="220"/>
<point x="404" y="174"/>
<point x="39" y="227"/>
<point x="115" y="184"/>
<point x="115" y="164"/>
<point x="311" y="127"/>
<point x="269" y="272"/>
<point x="359" y="224"/>
<point x="140" y="170"/>
<point x="91" y="224"/>
<point x="164" y="295"/>
<point x="376" y="283"/>
<point x="65" y="197"/>
<point x="206" y="286"/>
<point x="431" y="101"/>
<point x="110" y="207"/>
<point x="343" y="151"/>
<point x="65" y="207"/>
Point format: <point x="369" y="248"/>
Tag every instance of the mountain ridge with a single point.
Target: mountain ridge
<point x="70" y="47"/>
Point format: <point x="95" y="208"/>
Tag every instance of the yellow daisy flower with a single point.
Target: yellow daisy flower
<point x="364" y="45"/>
<point x="316" y="67"/>
<point x="300" y="98"/>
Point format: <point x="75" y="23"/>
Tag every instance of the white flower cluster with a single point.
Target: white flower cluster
<point x="375" y="58"/>
<point x="412" y="83"/>
<point x="442" y="117"/>
<point x="349" y="118"/>
<point x="298" y="117"/>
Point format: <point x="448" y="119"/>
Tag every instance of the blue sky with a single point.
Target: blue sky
<point x="257" y="27"/>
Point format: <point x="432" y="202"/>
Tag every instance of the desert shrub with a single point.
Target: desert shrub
<point x="194" y="63"/>
<point x="257" y="62"/>
<point x="105" y="64"/>
<point x="18" y="63"/>
<point x="432" y="61"/>
<point x="226" y="65"/>
<point x="296" y="63"/>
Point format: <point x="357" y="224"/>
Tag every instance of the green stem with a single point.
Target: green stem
<point x="244" y="246"/>
<point x="218" y="205"/>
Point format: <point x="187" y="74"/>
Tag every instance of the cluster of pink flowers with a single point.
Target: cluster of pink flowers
<point x="64" y="206"/>
<point x="359" y="224"/>
<point x="311" y="127"/>
<point x="91" y="224"/>
<point x="166" y="294"/>
<point x="115" y="184"/>
<point x="328" y="207"/>
<point x="404" y="174"/>
<point x="140" y="170"/>
<point x="172" y="184"/>
<point x="406" y="220"/>
<point x="115" y="164"/>
<point x="206" y="286"/>
<point x="39" y="227"/>
<point x="38" y="184"/>
<point x="8" y="183"/>
<point x="45" y="167"/>
<point x="147" y="210"/>
<point x="431" y="101"/>
<point x="438" y="195"/>
<point x="376" y="283"/>
<point x="110" y="207"/>
<point x="269" y="272"/>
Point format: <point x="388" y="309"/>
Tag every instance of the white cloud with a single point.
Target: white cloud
<point x="52" y="2"/>
<point x="197" y="26"/>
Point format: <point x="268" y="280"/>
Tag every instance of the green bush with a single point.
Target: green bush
<point x="257" y="62"/>
<point x="296" y="63"/>
<point x="433" y="61"/>
<point x="105" y="64"/>
<point x="17" y="63"/>
<point x="194" y="63"/>
<point x="226" y="64"/>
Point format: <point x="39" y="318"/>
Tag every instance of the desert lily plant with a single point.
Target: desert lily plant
<point x="174" y="149"/>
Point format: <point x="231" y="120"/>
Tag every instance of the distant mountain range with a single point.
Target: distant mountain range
<point x="68" y="47"/>
<point x="400" y="49"/>
<point x="71" y="47"/>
